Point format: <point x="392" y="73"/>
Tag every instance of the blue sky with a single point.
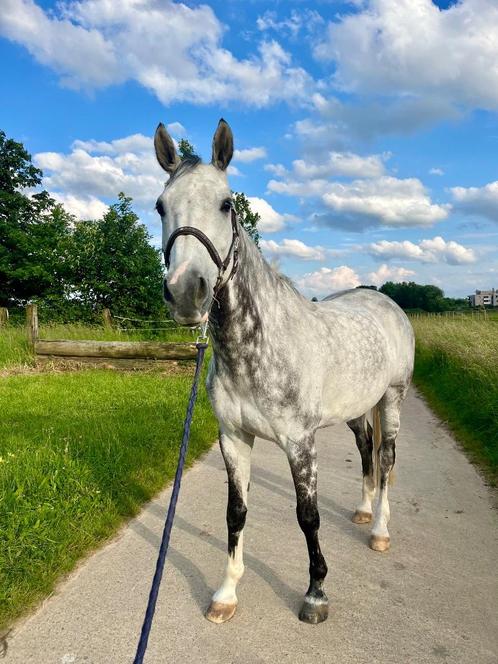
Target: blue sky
<point x="366" y="131"/>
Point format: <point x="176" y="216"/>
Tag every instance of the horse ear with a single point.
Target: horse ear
<point x="222" y="146"/>
<point x="165" y="149"/>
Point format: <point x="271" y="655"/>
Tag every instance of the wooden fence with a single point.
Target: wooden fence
<point x="116" y="354"/>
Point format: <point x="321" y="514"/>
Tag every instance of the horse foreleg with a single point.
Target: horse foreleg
<point x="302" y="460"/>
<point x="236" y="449"/>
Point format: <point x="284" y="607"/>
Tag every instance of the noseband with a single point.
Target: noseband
<point x="222" y="265"/>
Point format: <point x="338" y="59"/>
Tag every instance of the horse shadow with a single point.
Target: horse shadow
<point x="200" y="590"/>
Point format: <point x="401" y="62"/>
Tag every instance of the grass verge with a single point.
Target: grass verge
<point x="457" y="372"/>
<point x="80" y="452"/>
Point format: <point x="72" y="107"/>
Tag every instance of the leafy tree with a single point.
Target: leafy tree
<point x="247" y="217"/>
<point x="113" y="264"/>
<point x="186" y="149"/>
<point x="33" y="231"/>
<point x="410" y="295"/>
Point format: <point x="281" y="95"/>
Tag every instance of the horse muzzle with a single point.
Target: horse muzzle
<point x="188" y="299"/>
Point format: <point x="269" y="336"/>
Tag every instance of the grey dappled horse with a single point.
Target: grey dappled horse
<point x="282" y="366"/>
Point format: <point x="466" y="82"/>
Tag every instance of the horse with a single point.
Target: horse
<point x="282" y="366"/>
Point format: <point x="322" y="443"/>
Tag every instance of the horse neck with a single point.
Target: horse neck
<point x="253" y="303"/>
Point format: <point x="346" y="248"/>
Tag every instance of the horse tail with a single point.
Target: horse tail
<point x="377" y="440"/>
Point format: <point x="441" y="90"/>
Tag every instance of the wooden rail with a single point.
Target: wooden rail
<point x="132" y="350"/>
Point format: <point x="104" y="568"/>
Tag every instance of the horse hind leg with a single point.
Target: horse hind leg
<point x="389" y="410"/>
<point x="364" y="441"/>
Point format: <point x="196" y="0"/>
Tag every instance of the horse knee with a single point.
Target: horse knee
<point x="308" y="517"/>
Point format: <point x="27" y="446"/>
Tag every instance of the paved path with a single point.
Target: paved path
<point x="433" y="598"/>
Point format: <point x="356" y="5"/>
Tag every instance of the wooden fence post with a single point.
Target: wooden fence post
<point x="32" y="323"/>
<point x="107" y="318"/>
<point x="4" y="316"/>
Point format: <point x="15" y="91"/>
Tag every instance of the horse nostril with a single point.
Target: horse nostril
<point x="202" y="291"/>
<point x="167" y="293"/>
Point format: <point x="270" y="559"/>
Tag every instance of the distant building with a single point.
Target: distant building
<point x="484" y="298"/>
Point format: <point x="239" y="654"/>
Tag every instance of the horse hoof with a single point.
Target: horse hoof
<point x="220" y="613"/>
<point x="378" y="543"/>
<point x="361" y="517"/>
<point x="314" y="613"/>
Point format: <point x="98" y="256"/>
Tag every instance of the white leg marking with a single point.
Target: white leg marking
<point x="234" y="571"/>
<point x="382" y="514"/>
<point x="367" y="496"/>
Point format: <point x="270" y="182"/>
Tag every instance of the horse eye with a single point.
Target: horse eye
<point x="160" y="208"/>
<point x="226" y="206"/>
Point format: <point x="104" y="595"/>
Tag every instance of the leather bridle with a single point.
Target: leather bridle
<point x="222" y="265"/>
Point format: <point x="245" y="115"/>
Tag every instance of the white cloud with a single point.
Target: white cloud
<point x="436" y="171"/>
<point x="411" y="47"/>
<point x="436" y="250"/>
<point x="172" y="49"/>
<point x="278" y="170"/>
<point x="271" y="220"/>
<point x="341" y="164"/>
<point x="100" y="170"/>
<point x="87" y="207"/>
<point x="482" y="201"/>
<point x="294" y="249"/>
<point x="249" y="154"/>
<point x="386" y="200"/>
<point x="234" y="171"/>
<point x="387" y="273"/>
<point x="389" y="200"/>
<point x="176" y="128"/>
<point x="327" y="280"/>
<point x="307" y="20"/>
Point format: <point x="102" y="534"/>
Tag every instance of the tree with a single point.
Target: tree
<point x="114" y="265"/>
<point x="186" y="149"/>
<point x="33" y="231"/>
<point x="247" y="217"/>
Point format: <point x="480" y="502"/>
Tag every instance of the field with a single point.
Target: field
<point x="79" y="454"/>
<point x="80" y="451"/>
<point x="457" y="371"/>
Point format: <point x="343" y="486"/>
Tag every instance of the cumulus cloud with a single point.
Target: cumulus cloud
<point x="436" y="250"/>
<point x="101" y="169"/>
<point x="82" y="207"/>
<point x="389" y="273"/>
<point x="293" y="249"/>
<point x="327" y="280"/>
<point x="436" y="171"/>
<point x="379" y="200"/>
<point x="95" y="43"/>
<point x="271" y="220"/>
<point x="341" y="164"/>
<point x="481" y="201"/>
<point x="249" y="154"/>
<point x="411" y="47"/>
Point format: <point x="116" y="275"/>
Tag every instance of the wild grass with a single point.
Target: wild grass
<point x="80" y="452"/>
<point x="456" y="369"/>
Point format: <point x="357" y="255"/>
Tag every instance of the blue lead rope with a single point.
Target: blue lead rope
<point x="163" y="549"/>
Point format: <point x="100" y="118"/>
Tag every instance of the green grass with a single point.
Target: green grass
<point x="14" y="348"/>
<point x="456" y="369"/>
<point x="80" y="452"/>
